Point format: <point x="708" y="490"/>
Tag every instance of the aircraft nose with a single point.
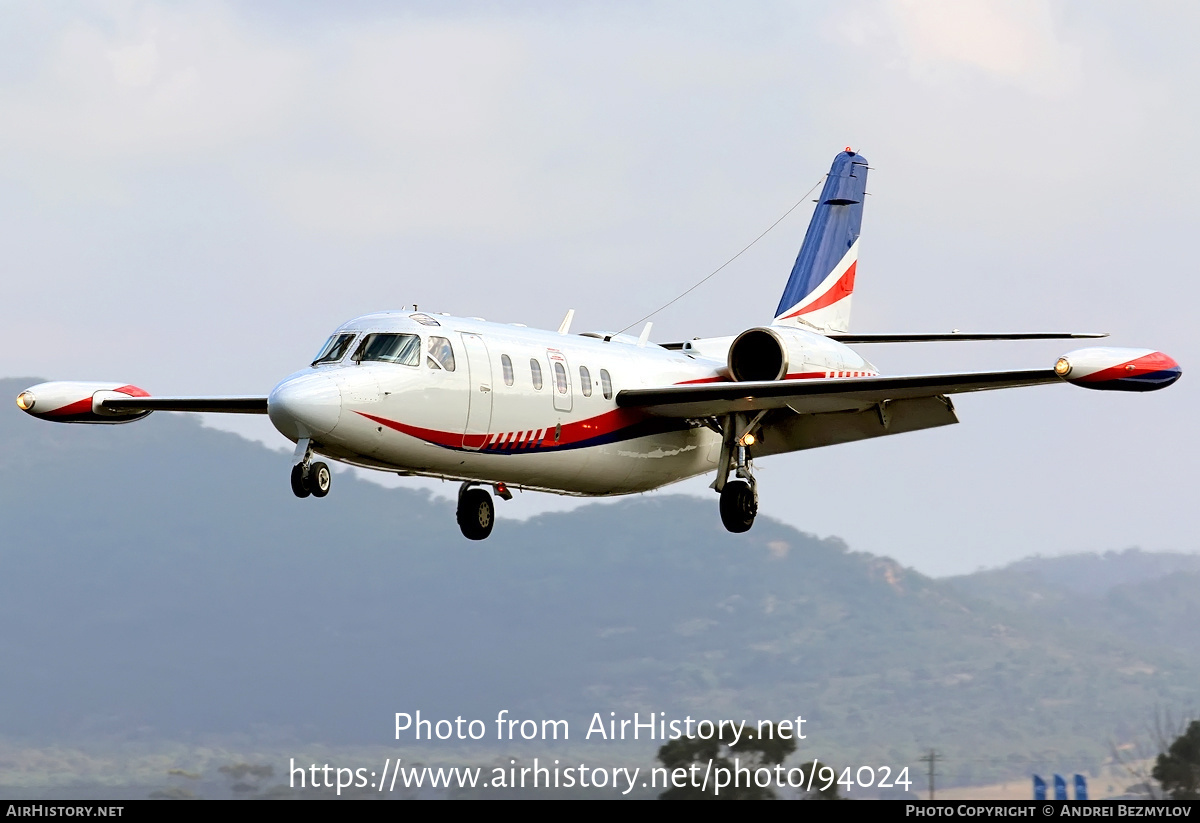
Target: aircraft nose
<point x="305" y="405"/>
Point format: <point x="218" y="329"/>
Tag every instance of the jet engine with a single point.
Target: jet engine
<point x="782" y="352"/>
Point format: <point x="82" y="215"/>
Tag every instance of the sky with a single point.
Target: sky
<point x="193" y="195"/>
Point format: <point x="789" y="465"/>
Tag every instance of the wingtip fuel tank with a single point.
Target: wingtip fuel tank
<point x="1113" y="369"/>
<point x="77" y="402"/>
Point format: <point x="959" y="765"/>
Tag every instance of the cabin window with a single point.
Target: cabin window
<point x="334" y="349"/>
<point x="506" y="367"/>
<point x="585" y="381"/>
<point x="560" y="378"/>
<point x="404" y="349"/>
<point x="535" y="369"/>
<point x="440" y="354"/>
<point x="606" y="384"/>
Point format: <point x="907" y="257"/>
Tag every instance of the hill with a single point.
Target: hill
<point x="161" y="583"/>
<point x="1147" y="599"/>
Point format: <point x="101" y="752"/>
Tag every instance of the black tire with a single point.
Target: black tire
<point x="319" y="479"/>
<point x="738" y="506"/>
<point x="476" y="514"/>
<point x="299" y="484"/>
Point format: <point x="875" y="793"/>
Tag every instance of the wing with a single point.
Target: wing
<point x="819" y="396"/>
<point x="219" y="405"/>
<point x="790" y="415"/>
<point x="79" y="402"/>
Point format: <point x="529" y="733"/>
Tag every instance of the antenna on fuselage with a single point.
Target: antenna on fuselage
<point x="645" y="335"/>
<point x="565" y="326"/>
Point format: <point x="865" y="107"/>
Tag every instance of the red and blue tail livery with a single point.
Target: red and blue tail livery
<point x="817" y="295"/>
<point x="1110" y="369"/>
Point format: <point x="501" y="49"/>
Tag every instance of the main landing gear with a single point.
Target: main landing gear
<point x="309" y="477"/>
<point x="739" y="505"/>
<point x="739" y="496"/>
<point x="476" y="513"/>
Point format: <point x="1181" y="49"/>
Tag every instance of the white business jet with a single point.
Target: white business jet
<point x="508" y="407"/>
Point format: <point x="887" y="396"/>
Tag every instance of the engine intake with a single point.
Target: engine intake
<point x="758" y="354"/>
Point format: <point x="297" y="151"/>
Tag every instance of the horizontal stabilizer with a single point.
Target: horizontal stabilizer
<point x="939" y="338"/>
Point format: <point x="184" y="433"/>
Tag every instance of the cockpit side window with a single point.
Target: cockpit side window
<point x="441" y="354"/>
<point x="334" y="349"/>
<point x="404" y="349"/>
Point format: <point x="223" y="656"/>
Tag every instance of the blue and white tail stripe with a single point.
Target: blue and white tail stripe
<point x="817" y="294"/>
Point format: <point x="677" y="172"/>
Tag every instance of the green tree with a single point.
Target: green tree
<point x="1178" y="768"/>
<point x="750" y="753"/>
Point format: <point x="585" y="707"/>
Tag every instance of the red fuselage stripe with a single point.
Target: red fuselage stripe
<point x="570" y="434"/>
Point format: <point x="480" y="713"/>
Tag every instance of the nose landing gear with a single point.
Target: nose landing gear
<point x="319" y="479"/>
<point x="308" y="477"/>
<point x="300" y="482"/>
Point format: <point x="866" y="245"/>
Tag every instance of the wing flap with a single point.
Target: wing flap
<point x="818" y="395"/>
<point x="782" y="431"/>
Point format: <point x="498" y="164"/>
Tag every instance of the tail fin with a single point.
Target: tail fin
<point x="818" y="293"/>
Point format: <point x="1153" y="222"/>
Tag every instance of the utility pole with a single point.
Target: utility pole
<point x="931" y="758"/>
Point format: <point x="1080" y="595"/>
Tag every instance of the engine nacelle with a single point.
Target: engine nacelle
<point x="782" y="352"/>
<point x="1112" y="369"/>
<point x="74" y="402"/>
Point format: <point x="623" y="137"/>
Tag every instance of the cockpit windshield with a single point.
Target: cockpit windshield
<point x="334" y="349"/>
<point x="404" y="349"/>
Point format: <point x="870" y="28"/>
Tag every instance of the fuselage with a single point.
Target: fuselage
<point x="465" y="399"/>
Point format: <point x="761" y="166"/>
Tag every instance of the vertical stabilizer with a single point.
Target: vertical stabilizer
<point x="818" y="293"/>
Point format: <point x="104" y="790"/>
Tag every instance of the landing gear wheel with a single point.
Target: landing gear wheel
<point x="319" y="479"/>
<point x="476" y="514"/>
<point x="299" y="482"/>
<point x="738" y="506"/>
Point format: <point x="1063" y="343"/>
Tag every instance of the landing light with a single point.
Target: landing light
<point x="747" y="440"/>
<point x="1063" y="367"/>
<point x="25" y="401"/>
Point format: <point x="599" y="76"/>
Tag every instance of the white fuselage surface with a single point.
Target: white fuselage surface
<point x="533" y="409"/>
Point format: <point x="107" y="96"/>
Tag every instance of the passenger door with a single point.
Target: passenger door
<point x="479" y="409"/>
